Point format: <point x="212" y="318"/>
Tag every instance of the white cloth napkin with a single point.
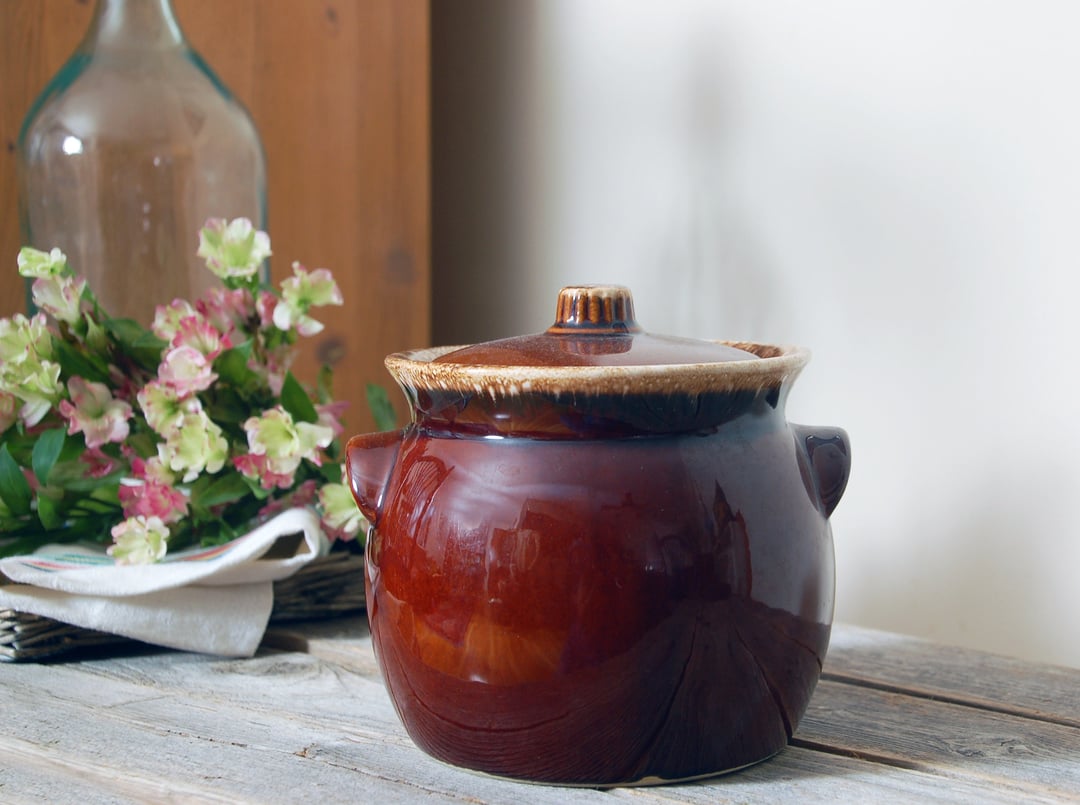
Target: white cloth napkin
<point x="211" y="600"/>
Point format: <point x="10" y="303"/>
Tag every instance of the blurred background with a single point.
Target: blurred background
<point x="339" y="91"/>
<point x="892" y="185"/>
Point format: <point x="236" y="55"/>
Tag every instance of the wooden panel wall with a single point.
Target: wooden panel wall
<point x="340" y="92"/>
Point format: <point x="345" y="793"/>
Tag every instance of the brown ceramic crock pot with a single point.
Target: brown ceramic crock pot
<point x="599" y="556"/>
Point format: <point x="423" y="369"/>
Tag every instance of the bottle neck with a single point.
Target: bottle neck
<point x="133" y="25"/>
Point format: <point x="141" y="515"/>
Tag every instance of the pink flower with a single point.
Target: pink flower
<point x="31" y="479"/>
<point x="305" y="494"/>
<point x="273" y="507"/>
<point x="227" y="310"/>
<point x="330" y="415"/>
<point x="98" y="463"/>
<point x="265" y="305"/>
<point x="167" y="319"/>
<point x="150" y="498"/>
<point x="186" y="370"/>
<point x="197" y="332"/>
<point x="151" y="469"/>
<point x="256" y="467"/>
<point x="125" y="387"/>
<point x="272" y="366"/>
<point x="93" y="411"/>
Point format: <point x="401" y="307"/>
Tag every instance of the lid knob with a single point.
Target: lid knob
<point x="601" y="308"/>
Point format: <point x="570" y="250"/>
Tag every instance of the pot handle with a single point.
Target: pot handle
<point x="824" y="456"/>
<point x="369" y="460"/>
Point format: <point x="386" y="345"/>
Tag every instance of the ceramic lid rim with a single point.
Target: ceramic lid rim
<point x="416" y="369"/>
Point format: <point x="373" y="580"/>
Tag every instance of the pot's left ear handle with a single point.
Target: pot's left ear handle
<point x="369" y="460"/>
<point x="825" y="461"/>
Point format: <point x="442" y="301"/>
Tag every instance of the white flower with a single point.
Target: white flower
<point x="139" y="541"/>
<point x="186" y="370"/>
<point x="60" y="297"/>
<point x="197" y="445"/>
<point x="36" y="263"/>
<point x="301" y="292"/>
<point x="341" y="517"/>
<point x="233" y="248"/>
<point x="26" y="369"/>
<point x="285" y="443"/>
<point x="8" y="406"/>
<point x="93" y="411"/>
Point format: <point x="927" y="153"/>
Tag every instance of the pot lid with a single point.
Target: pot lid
<point x="594" y="326"/>
<point x="595" y="347"/>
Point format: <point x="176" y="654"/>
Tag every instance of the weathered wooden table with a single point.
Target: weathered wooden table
<point x="308" y="720"/>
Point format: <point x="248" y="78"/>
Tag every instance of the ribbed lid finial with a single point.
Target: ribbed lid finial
<point x="603" y="308"/>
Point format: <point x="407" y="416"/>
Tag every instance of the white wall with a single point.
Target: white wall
<point x="896" y="186"/>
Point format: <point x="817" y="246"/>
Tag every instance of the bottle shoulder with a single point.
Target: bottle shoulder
<point x="169" y="96"/>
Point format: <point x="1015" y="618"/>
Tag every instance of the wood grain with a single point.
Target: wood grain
<point x="892" y="662"/>
<point x="339" y="90"/>
<point x="289" y="726"/>
<point x="950" y="740"/>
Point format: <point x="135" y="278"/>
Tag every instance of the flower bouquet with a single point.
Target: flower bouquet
<point x="192" y="431"/>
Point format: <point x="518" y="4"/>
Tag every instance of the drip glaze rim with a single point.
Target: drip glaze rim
<point x="417" y="370"/>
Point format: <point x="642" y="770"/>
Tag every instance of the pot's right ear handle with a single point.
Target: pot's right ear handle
<point x="825" y="461"/>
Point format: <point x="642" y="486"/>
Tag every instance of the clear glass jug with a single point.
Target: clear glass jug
<point x="125" y="154"/>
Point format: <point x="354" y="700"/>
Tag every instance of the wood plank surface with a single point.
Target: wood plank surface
<point x="340" y="93"/>
<point x="291" y="725"/>
<point x="1005" y="752"/>
<point x="950" y="673"/>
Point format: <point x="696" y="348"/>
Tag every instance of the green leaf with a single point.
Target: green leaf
<point x="72" y="477"/>
<point x="330" y="473"/>
<point x="20" y="444"/>
<point x="231" y="366"/>
<point x="14" y="488"/>
<point x="224" y="533"/>
<point x="74" y="528"/>
<point x="75" y="363"/>
<point x="256" y="488"/>
<point x="20" y="545"/>
<point x="49" y="513"/>
<point x="225" y="405"/>
<point x="128" y="332"/>
<point x="296" y="401"/>
<point x="46" y="451"/>
<point x="226" y="489"/>
<point x="381" y="409"/>
<point x="137" y="342"/>
<point x="324" y="384"/>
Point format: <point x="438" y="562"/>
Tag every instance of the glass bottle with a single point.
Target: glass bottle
<point x="125" y="154"/>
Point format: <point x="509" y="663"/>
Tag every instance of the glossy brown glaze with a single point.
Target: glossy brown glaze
<point x="600" y="557"/>
<point x="601" y="611"/>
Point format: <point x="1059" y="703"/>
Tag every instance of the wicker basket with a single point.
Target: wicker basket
<point x="326" y="587"/>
